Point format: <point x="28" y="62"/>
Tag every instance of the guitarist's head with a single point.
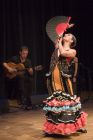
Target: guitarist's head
<point x="23" y="52"/>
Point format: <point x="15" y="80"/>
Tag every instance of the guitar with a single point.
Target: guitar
<point x="19" y="69"/>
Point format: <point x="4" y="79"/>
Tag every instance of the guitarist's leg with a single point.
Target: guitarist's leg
<point x="21" y="89"/>
<point x="28" y="86"/>
<point x="24" y="94"/>
<point x="9" y="88"/>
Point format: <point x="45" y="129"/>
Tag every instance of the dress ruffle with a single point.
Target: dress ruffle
<point x="61" y="99"/>
<point x="59" y="102"/>
<point x="63" y="114"/>
<point x="67" y="128"/>
<point x="59" y="109"/>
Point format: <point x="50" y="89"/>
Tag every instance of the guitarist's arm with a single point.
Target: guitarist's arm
<point x="28" y="66"/>
<point x="36" y="68"/>
<point x="8" y="68"/>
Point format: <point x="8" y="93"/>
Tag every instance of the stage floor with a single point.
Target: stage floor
<point x="27" y="125"/>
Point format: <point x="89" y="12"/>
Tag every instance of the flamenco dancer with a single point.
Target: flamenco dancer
<point x="63" y="109"/>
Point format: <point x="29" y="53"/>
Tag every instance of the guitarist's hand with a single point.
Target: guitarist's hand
<point x="38" y="68"/>
<point x="30" y="71"/>
<point x="11" y="70"/>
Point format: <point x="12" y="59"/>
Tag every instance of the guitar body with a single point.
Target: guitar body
<point x="19" y="67"/>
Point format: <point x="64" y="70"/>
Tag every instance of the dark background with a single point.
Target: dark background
<point x="23" y="22"/>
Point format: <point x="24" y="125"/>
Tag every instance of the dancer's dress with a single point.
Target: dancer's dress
<point x="63" y="111"/>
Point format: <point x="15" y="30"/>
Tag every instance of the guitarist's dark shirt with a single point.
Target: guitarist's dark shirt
<point x="16" y="59"/>
<point x="27" y="63"/>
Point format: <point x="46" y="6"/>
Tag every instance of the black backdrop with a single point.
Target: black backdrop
<point x="22" y="22"/>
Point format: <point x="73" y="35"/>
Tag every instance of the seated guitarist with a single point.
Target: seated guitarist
<point x="20" y="82"/>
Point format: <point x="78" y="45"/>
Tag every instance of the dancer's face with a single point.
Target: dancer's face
<point x="68" y="38"/>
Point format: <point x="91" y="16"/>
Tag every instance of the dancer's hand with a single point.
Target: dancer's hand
<point x="74" y="79"/>
<point x="60" y="40"/>
<point x="70" y="25"/>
